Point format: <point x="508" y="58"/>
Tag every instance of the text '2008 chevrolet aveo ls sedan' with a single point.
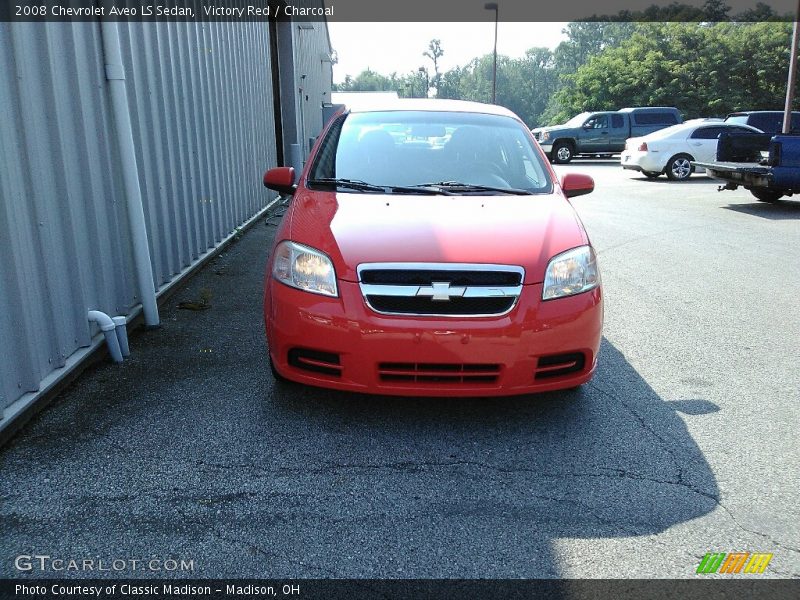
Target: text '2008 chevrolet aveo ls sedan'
<point x="430" y="250"/>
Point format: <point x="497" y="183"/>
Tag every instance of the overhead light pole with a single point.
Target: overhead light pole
<point x="424" y="72"/>
<point x="493" y="6"/>
<point x="787" y="113"/>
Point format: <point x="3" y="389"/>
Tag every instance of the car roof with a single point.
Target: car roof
<point x="694" y="124"/>
<point x="740" y="113"/>
<point x="430" y="104"/>
<point x="647" y="109"/>
<point x="703" y="120"/>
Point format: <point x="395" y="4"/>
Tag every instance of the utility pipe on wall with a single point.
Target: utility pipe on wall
<point x="109" y="330"/>
<point x="115" y="74"/>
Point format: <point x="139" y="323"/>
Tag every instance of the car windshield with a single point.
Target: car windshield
<point x="742" y="119"/>
<point x="428" y="151"/>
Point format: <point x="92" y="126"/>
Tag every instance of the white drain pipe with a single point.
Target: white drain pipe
<point x="109" y="330"/>
<point x="120" y="325"/>
<point x="115" y="74"/>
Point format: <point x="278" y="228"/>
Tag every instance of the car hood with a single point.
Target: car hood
<point x="556" y="128"/>
<point x="514" y="230"/>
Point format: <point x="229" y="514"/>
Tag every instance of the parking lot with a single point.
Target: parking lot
<point x="684" y="443"/>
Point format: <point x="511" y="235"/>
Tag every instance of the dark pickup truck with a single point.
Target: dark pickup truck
<point x="766" y="165"/>
<point x="603" y="132"/>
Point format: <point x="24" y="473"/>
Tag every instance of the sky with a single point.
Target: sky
<point x="398" y="47"/>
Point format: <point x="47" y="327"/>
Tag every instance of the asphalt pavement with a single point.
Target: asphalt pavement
<point x="684" y="443"/>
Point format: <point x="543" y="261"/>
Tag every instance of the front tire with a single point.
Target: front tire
<point x="562" y="153"/>
<point x="679" y="167"/>
<point x="766" y="195"/>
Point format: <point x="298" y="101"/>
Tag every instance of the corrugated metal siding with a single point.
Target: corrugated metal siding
<point x="201" y="104"/>
<point x="312" y="59"/>
<point x="61" y="216"/>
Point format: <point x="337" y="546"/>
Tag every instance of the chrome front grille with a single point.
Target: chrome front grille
<point x="440" y="289"/>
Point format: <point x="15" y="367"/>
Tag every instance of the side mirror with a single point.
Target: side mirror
<point x="588" y="126"/>
<point x="280" y="179"/>
<point x="576" y="184"/>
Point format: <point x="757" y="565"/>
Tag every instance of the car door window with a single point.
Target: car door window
<point x="769" y="122"/>
<point x="598" y="122"/>
<point x="707" y="133"/>
<point x="617" y="122"/>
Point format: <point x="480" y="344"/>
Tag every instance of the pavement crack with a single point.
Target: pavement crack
<point x="247" y="545"/>
<point x="649" y="236"/>
<point x="416" y="466"/>
<point x="644" y="426"/>
<point x="767" y="536"/>
<point x="681" y="481"/>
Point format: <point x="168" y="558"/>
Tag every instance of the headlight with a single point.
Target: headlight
<point x="545" y="135"/>
<point x="304" y="268"/>
<point x="571" y="272"/>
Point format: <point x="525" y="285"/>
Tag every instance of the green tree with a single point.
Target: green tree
<point x="435" y="52"/>
<point x="704" y="69"/>
<point x="370" y="81"/>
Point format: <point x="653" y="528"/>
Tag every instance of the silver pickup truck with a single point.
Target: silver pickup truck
<point x="602" y="132"/>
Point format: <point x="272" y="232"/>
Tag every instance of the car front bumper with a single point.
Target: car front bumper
<point x="367" y="352"/>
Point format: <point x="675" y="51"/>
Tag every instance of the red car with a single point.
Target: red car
<point x="430" y="250"/>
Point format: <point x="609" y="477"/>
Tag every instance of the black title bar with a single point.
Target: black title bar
<point x="398" y="11"/>
<point x="739" y="588"/>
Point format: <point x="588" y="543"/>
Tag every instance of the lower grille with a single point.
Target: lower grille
<point x="419" y="305"/>
<point x="558" y="365"/>
<point x="438" y="372"/>
<point x="316" y="361"/>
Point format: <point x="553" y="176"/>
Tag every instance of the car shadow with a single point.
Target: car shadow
<point x="595" y="162"/>
<point x="483" y="487"/>
<point x="781" y="210"/>
<point x="694" y="179"/>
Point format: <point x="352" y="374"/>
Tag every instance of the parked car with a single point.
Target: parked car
<point x="602" y="132"/>
<point x="767" y="165"/>
<point x="768" y="121"/>
<point x="673" y="149"/>
<point x="438" y="270"/>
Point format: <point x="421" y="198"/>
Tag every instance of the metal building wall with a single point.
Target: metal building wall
<point x="201" y="106"/>
<point x="306" y="71"/>
<point x="62" y="221"/>
<point x="201" y="103"/>
<point x="312" y="59"/>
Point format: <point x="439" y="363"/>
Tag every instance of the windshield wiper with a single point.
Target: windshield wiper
<point x="420" y="189"/>
<point x="353" y="184"/>
<point x="466" y="188"/>
<point x="357" y="184"/>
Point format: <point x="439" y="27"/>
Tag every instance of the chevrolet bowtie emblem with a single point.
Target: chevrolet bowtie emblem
<point x="441" y="291"/>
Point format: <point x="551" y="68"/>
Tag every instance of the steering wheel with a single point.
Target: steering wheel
<point x="484" y="173"/>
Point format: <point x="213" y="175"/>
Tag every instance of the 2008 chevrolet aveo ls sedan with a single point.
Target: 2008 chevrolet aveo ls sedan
<point x="430" y="250"/>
